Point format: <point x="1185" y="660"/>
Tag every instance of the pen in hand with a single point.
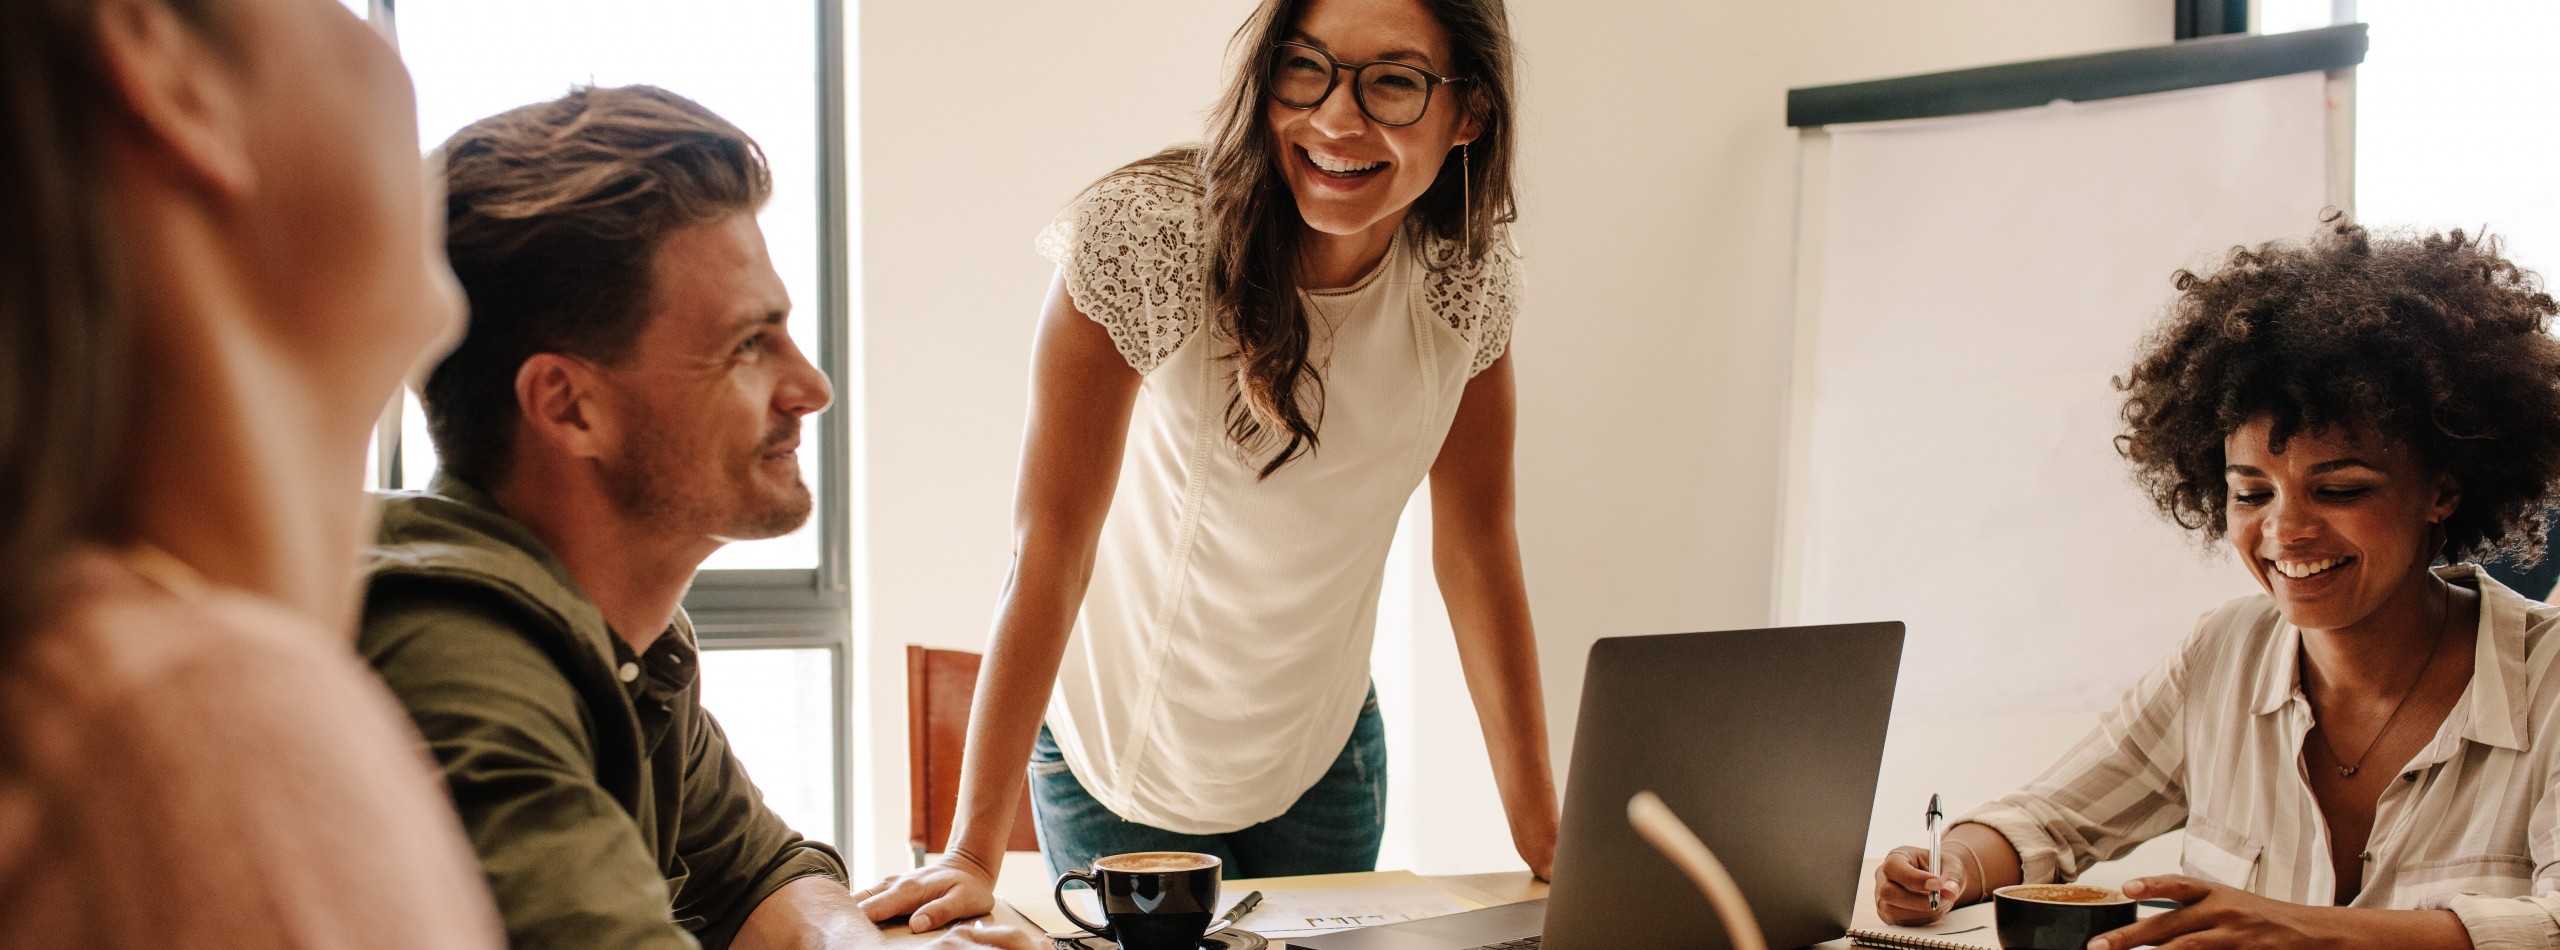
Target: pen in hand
<point x="1936" y="867"/>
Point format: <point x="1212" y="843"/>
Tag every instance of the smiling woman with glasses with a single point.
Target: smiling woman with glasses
<point x="1254" y="351"/>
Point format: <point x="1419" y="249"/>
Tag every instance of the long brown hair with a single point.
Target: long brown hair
<point x="1255" y="230"/>
<point x="64" y="329"/>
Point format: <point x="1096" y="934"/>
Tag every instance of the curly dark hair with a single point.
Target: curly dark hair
<point x="2435" y="341"/>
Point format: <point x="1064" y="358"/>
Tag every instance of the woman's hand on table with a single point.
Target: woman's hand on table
<point x="1903" y="884"/>
<point x="2217" y="917"/>
<point x="1537" y="846"/>
<point x="950" y="888"/>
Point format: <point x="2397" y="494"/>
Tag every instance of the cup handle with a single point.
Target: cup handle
<point x="1059" y="893"/>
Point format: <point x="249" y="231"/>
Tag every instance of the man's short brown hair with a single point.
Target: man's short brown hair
<point x="553" y="217"/>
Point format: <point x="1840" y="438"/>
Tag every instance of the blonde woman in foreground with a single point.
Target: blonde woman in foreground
<point x="218" y="265"/>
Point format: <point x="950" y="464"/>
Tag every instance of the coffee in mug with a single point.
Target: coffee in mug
<point x="2058" y="916"/>
<point x="1151" y="900"/>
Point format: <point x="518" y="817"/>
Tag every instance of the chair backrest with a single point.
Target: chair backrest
<point x="940" y="684"/>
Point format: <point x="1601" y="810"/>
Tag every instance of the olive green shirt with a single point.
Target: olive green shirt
<point x="603" y="799"/>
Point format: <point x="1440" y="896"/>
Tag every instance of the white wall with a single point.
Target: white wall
<point x="1657" y="200"/>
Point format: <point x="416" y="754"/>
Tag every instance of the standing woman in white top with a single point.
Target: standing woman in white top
<point x="1253" y="352"/>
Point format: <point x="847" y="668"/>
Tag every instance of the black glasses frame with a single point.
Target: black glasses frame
<point x="1333" y="80"/>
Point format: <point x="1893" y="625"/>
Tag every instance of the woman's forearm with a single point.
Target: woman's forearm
<point x="1014" y="682"/>
<point x="1480" y="579"/>
<point x="2409" y="929"/>
<point x="1081" y="395"/>
<point x="1475" y="555"/>
<point x="1988" y="855"/>
<point x="1500" y="663"/>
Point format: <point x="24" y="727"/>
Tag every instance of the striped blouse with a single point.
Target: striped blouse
<point x="2211" y="741"/>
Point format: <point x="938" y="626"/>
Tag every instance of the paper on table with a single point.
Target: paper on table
<point x="1967" y="928"/>
<point x="1305" y="913"/>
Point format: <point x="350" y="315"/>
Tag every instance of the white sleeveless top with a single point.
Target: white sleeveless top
<point x="1221" y="653"/>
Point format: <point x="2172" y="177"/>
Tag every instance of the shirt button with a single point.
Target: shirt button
<point x="630" y="672"/>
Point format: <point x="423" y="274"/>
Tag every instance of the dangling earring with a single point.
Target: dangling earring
<point x="1465" y="195"/>
<point x="1465" y="183"/>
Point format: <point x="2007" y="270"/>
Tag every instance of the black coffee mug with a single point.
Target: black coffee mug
<point x="1151" y="900"/>
<point x="2058" y="916"/>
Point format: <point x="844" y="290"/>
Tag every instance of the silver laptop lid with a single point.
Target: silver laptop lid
<point x="1767" y="742"/>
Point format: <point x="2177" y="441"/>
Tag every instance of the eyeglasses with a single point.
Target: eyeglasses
<point x="1390" y="94"/>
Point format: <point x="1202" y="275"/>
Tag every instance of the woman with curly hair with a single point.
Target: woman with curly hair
<point x="2365" y="754"/>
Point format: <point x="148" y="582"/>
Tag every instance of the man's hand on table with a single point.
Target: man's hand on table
<point x="974" y="934"/>
<point x="816" y="913"/>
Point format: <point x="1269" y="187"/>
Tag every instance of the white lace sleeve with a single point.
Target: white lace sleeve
<point x="1130" y="248"/>
<point x="1480" y="298"/>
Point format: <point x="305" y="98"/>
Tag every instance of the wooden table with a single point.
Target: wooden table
<point x="1486" y="889"/>
<point x="1515" y="886"/>
<point x="1509" y="887"/>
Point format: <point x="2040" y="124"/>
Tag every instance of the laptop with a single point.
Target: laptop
<point x="1766" y="742"/>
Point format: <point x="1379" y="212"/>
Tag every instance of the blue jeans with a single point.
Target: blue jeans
<point x="1334" y="827"/>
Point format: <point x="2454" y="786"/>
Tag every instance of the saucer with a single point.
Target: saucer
<point x="1228" y="939"/>
<point x="1233" y="939"/>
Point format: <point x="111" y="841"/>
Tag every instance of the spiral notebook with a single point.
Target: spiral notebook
<point x="1968" y="928"/>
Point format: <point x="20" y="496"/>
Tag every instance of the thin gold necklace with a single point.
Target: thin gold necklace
<point x="2444" y="626"/>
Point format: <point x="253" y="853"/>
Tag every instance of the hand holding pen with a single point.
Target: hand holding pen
<point x="1937" y="838"/>
<point x="1914" y="886"/>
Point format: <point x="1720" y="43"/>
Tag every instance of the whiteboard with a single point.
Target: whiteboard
<point x="1967" y="289"/>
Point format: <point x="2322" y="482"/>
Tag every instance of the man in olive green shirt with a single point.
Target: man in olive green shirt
<point x="625" y="401"/>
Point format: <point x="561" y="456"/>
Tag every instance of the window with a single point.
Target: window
<point x="778" y="708"/>
<point x="773" y="615"/>
<point x="2452" y="124"/>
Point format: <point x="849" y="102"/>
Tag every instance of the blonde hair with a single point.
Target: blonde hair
<point x="64" y="324"/>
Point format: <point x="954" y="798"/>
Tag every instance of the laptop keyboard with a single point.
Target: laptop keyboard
<point x="1524" y="943"/>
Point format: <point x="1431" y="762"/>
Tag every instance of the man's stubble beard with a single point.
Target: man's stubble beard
<point x="644" y="484"/>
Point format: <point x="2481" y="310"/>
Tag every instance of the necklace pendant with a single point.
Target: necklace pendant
<point x="2348" y="771"/>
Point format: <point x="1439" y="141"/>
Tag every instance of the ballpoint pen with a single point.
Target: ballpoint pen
<point x="1236" y="913"/>
<point x="1935" y="839"/>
